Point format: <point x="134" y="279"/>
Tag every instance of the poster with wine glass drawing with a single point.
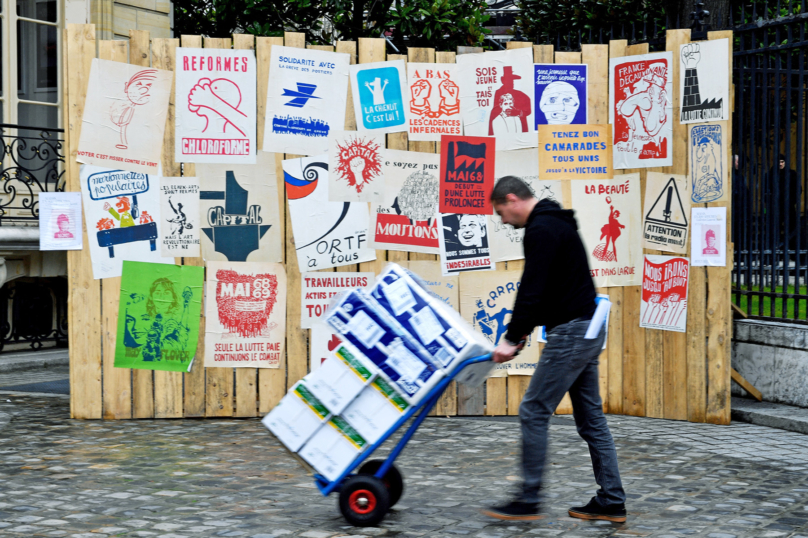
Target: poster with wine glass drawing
<point x="378" y="91"/>
<point x="355" y="160"/>
<point x="124" y="116"/>
<point x="664" y="293"/>
<point x="179" y="210"/>
<point x="60" y="221"/>
<point x="704" y="81"/>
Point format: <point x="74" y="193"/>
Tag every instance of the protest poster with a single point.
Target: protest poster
<point x="708" y="163"/>
<point x="158" y="316"/>
<point x="609" y="215"/>
<point x="464" y="243"/>
<point x="306" y="99"/>
<point x="60" y="221"/>
<point x="575" y="152"/>
<point x="356" y="164"/>
<point x="125" y="117"/>
<point x="119" y="210"/>
<point x="245" y="314"/>
<point x="215" y="106"/>
<point x="486" y="301"/>
<point x="322" y="342"/>
<point x="561" y="94"/>
<point x="664" y="293"/>
<point x="238" y="205"/>
<point x="641" y="110"/>
<point x="704" y="81"/>
<point x="666" y="212"/>
<point x="317" y="290"/>
<point x="708" y="237"/>
<point x="496" y="97"/>
<point x="378" y="91"/>
<point x="327" y="234"/>
<point x="179" y="211"/>
<point x="407" y="217"/>
<point x="434" y="101"/>
<point x="445" y="288"/>
<point x="466" y="174"/>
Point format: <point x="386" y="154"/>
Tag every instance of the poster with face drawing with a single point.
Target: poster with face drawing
<point x="434" y="101"/>
<point x="664" y="293"/>
<point x="609" y="214"/>
<point x="215" y="106"/>
<point x="378" y="91"/>
<point x="464" y="243"/>
<point x="60" y="221"/>
<point x="505" y="240"/>
<point x="708" y="164"/>
<point x="125" y="116"/>
<point x="306" y="98"/>
<point x="239" y="210"/>
<point x="122" y="215"/>
<point x="327" y="234"/>
<point x="708" y="238"/>
<point x="355" y="161"/>
<point x="704" y="81"/>
<point x="245" y="314"/>
<point x="179" y="210"/>
<point x="406" y="219"/>
<point x="561" y="96"/>
<point x="641" y="110"/>
<point x="496" y="97"/>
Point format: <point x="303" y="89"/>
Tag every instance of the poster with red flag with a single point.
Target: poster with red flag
<point x="664" y="293"/>
<point x="466" y="174"/>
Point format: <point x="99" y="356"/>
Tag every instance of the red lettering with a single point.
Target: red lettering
<point x="185" y="63"/>
<point x="228" y="64"/>
<point x="219" y="63"/>
<point x="235" y="64"/>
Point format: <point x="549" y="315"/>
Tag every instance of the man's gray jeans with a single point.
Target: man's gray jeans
<point x="569" y="363"/>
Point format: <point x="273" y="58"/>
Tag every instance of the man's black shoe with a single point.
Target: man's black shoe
<point x="514" y="511"/>
<point x="594" y="510"/>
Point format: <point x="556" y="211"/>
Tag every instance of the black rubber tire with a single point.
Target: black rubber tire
<point x="392" y="480"/>
<point x="365" y="488"/>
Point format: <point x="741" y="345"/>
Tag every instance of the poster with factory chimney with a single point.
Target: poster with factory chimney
<point x="704" y="81"/>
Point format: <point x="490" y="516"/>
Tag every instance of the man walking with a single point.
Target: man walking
<point x="556" y="291"/>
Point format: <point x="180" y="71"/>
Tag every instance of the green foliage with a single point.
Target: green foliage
<point x="439" y="24"/>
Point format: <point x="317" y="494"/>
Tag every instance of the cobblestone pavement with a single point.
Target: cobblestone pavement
<point x="188" y="478"/>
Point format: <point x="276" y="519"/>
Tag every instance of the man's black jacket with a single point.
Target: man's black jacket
<point x="556" y="284"/>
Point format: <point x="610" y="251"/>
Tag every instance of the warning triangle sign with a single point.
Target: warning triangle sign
<point x="668" y="208"/>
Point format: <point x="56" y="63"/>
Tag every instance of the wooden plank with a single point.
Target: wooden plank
<point x="736" y="309"/>
<point x="567" y="57"/>
<point x="746" y="385"/>
<point x="497" y="397"/>
<point x="517" y="386"/>
<point x="543" y="54"/>
<point x="400" y="141"/>
<point x="349" y="47"/>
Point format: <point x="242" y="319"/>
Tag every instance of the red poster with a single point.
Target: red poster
<point x="664" y="293"/>
<point x="466" y="174"/>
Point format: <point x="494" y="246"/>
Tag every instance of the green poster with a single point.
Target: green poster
<point x="158" y="316"/>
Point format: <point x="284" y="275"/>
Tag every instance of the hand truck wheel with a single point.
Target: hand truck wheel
<point x="393" y="480"/>
<point x="363" y="500"/>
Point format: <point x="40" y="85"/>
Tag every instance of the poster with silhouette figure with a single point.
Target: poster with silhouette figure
<point x="486" y="301"/>
<point x="179" y="211"/>
<point x="318" y="289"/>
<point x="60" y="221"/>
<point x="215" y="106"/>
<point x="356" y="163"/>
<point x="322" y="342"/>
<point x="664" y="293"/>
<point x="378" y="91"/>
<point x="434" y="101"/>
<point x="306" y="99"/>
<point x="641" y="110"/>
<point x="561" y="94"/>
<point x="464" y="243"/>
<point x="496" y="97"/>
<point x="122" y="216"/>
<point x="708" y="163"/>
<point x="666" y="212"/>
<point x="239" y="211"/>
<point x="609" y="215"/>
<point x="327" y="234"/>
<point x="407" y="217"/>
<point x="125" y="116"/>
<point x="245" y="314"/>
<point x="708" y="236"/>
<point x="467" y="174"/>
<point x="704" y="72"/>
<point x="158" y="316"/>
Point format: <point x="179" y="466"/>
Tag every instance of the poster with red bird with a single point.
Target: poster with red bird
<point x="356" y="160"/>
<point x="245" y="314"/>
<point x="664" y="293"/>
<point x="466" y="174"/>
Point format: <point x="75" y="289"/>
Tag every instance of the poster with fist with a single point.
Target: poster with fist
<point x="434" y="101"/>
<point x="704" y="81"/>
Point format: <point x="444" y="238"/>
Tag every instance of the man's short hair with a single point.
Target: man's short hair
<point x="510" y="185"/>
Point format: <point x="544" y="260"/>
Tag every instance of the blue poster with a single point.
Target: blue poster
<point x="378" y="91"/>
<point x="706" y="163"/>
<point x="560" y="94"/>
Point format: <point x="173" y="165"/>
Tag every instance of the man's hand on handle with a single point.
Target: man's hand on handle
<point x="506" y="351"/>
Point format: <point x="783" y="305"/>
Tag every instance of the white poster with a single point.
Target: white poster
<point x="496" y="97"/>
<point x="708" y="238"/>
<point x="378" y="91"/>
<point x="119" y="211"/>
<point x="322" y="342"/>
<point x="641" y="110"/>
<point x="434" y="101"/>
<point x="355" y="161"/>
<point x="666" y="212"/>
<point x="708" y="163"/>
<point x="327" y="234"/>
<point x="445" y="288"/>
<point x="215" y="106"/>
<point x="664" y="293"/>
<point x="179" y="211"/>
<point x="319" y="288"/>
<point x="60" y="221"/>
<point x="464" y="243"/>
<point x="704" y="81"/>
<point x="240" y="212"/>
<point x="306" y="98"/>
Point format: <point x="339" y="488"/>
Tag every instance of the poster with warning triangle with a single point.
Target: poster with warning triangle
<point x="666" y="211"/>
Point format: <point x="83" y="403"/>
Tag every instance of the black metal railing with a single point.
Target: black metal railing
<point x="33" y="312"/>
